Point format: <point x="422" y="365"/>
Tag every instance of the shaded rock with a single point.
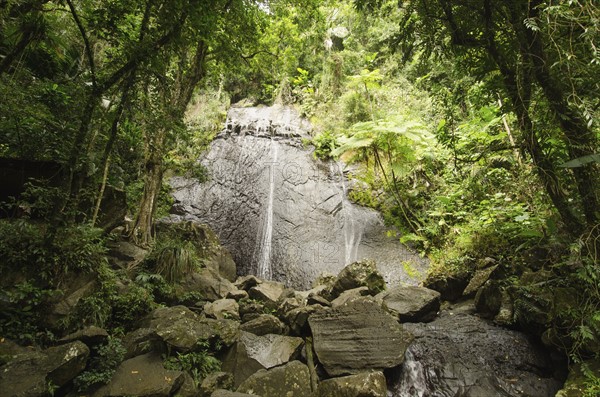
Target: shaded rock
<point x="488" y="299"/>
<point x="215" y="381"/>
<point x="182" y="329"/>
<point x="141" y="341"/>
<point x="288" y="304"/>
<point x="208" y="283"/>
<point x="290" y="380"/>
<point x="349" y="295"/>
<point x="450" y="287"/>
<point x="90" y="335"/>
<point x="358" y="274"/>
<point x="297" y="319"/>
<point x="505" y="316"/>
<point x="462" y="355"/>
<point x="223" y="309"/>
<point x="77" y="289"/>
<point x="252" y="353"/>
<point x="188" y="388"/>
<point x="412" y="304"/>
<point x="575" y="384"/>
<point x="368" y="384"/>
<point x="267" y="292"/>
<point x="142" y="376"/>
<point x="314" y="299"/>
<point x="228" y="393"/>
<point x="324" y="280"/>
<point x="264" y="324"/>
<point x="30" y="374"/>
<point x="222" y="262"/>
<point x="358" y="337"/>
<point x="10" y="350"/>
<point x="247" y="282"/>
<point x="479" y="278"/>
<point x="125" y="254"/>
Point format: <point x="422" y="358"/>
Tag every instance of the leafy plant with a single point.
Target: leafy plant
<point x="198" y="363"/>
<point x="102" y="366"/>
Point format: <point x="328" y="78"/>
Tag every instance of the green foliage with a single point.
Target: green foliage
<point x="102" y="365"/>
<point x="22" y="308"/>
<point x="198" y="363"/>
<point x="325" y="143"/>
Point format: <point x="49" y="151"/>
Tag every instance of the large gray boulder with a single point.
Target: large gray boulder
<point x="215" y="381"/>
<point x="459" y="354"/>
<point x="208" y="283"/>
<point x="267" y="292"/>
<point x="264" y="324"/>
<point x="31" y="374"/>
<point x="366" y="384"/>
<point x="182" y="329"/>
<point x="290" y="380"/>
<point x="223" y="309"/>
<point x="412" y="304"/>
<point x="283" y="214"/>
<point x="357" y="337"/>
<point x="252" y="353"/>
<point x="142" y="376"/>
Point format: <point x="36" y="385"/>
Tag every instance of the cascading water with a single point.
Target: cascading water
<point x="264" y="262"/>
<point x="281" y="213"/>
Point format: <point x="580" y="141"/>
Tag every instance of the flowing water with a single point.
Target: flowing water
<point x="264" y="264"/>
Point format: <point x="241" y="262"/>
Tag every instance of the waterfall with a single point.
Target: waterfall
<point x="351" y="231"/>
<point x="264" y="264"/>
<point x="413" y="378"/>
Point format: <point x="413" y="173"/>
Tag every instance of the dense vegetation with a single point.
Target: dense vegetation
<point x="473" y="125"/>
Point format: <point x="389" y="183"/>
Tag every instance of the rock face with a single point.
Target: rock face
<point x="461" y="355"/>
<point x="282" y="214"/>
<point x="358" y="337"/>
<point x="290" y="380"/>
<point x="412" y="304"/>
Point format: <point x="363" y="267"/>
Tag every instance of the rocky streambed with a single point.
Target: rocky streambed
<point x="349" y="335"/>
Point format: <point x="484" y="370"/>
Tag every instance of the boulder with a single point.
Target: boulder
<point x="90" y="335"/>
<point x="228" y="393"/>
<point x="31" y="373"/>
<point x="264" y="324"/>
<point x="297" y="319"/>
<point x="412" y="304"/>
<point x="182" y="329"/>
<point x="125" y="254"/>
<point x="142" y="376"/>
<point x="488" y="299"/>
<point x="358" y="274"/>
<point x="141" y="341"/>
<point x="576" y="383"/>
<point x="349" y="295"/>
<point x="267" y="292"/>
<point x="246" y="282"/>
<point x="290" y="380"/>
<point x="367" y="384"/>
<point x="459" y="354"/>
<point x="358" y="337"/>
<point x="237" y="294"/>
<point x="450" y="287"/>
<point x="479" y="278"/>
<point x="215" y="381"/>
<point x="223" y="309"/>
<point x="208" y="283"/>
<point x="253" y="352"/>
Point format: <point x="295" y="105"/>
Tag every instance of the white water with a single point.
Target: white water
<point x="264" y="264"/>
<point x="352" y="231"/>
<point x="413" y="383"/>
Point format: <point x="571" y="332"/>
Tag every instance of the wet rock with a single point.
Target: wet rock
<point x="31" y="373"/>
<point x="215" y="381"/>
<point x="223" y="309"/>
<point x="369" y="384"/>
<point x="142" y="376"/>
<point x="264" y="324"/>
<point x="359" y="274"/>
<point x="313" y="228"/>
<point x="357" y="337"/>
<point x="412" y="304"/>
<point x="252" y="353"/>
<point x="462" y="355"/>
<point x="182" y="329"/>
<point x="290" y="380"/>
<point x="488" y="299"/>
